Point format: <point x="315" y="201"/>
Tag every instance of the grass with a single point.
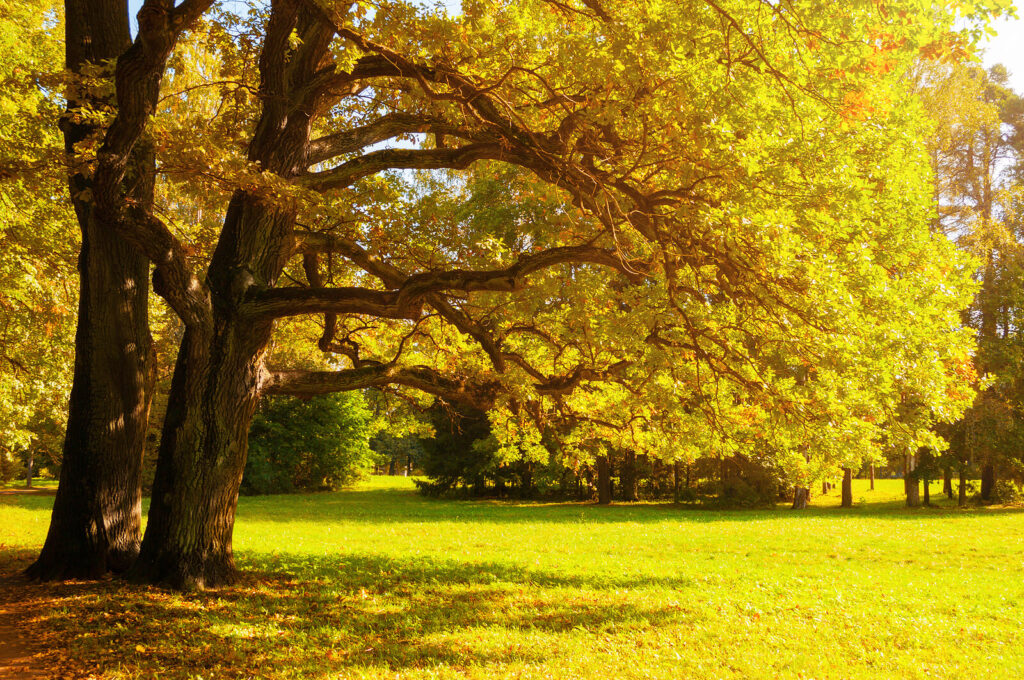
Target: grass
<point x="378" y="582"/>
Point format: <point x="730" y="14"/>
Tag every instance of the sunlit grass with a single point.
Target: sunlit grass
<point x="381" y="583"/>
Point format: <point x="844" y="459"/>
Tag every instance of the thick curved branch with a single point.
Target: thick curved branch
<point x="352" y="171"/>
<point x="281" y="302"/>
<point x="482" y="395"/>
<point x="384" y="128"/>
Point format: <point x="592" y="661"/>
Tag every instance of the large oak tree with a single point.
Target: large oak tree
<point x="660" y="226"/>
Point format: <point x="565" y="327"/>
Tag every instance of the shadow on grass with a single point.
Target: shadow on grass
<point x="315" y="617"/>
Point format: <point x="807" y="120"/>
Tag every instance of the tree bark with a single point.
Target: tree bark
<point x="801" y="497"/>
<point x="847" y="488"/>
<point x="947" y="482"/>
<point x="962" y="490"/>
<point x="676" y="480"/>
<point x="913" y="490"/>
<point x="872" y="477"/>
<point x="628" y="477"/>
<point x="988" y="482"/>
<point x="604" y="481"/>
<point x="94" y="525"/>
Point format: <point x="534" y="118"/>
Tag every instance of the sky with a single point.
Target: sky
<point x="1007" y="47"/>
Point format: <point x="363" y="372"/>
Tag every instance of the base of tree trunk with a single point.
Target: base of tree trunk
<point x="801" y="497"/>
<point x="947" y="482"/>
<point x="847" y="488"/>
<point x="604" y="480"/>
<point x="962" y="491"/>
<point x="988" y="482"/>
<point x="185" y="572"/>
<point x="913" y="489"/>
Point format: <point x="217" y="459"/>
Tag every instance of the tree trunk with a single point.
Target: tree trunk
<point x="913" y="490"/>
<point x="847" y="488"/>
<point x="393" y="467"/>
<point x="872" y="473"/>
<point x="604" y="481"/>
<point x="824" y="488"/>
<point x="988" y="482"/>
<point x="628" y="477"/>
<point x="947" y="482"/>
<point x="94" y="525"/>
<point x="926" y="485"/>
<point x="187" y="543"/>
<point x="677" y="474"/>
<point x="962" y="490"/>
<point x="29" y="469"/>
<point x="801" y="497"/>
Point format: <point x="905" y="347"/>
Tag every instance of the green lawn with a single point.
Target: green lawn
<point x="380" y="583"/>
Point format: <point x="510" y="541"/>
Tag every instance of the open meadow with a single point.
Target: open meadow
<point x="378" y="582"/>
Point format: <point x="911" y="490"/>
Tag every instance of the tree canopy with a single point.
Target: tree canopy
<point x="665" y="227"/>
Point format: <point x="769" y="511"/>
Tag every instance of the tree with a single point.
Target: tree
<point x="686" y="259"/>
<point x="976" y="152"/>
<point x="37" y="289"/>
<point x="315" y="444"/>
<point x="95" y="525"/>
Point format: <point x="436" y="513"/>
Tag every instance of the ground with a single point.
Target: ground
<point x="378" y="582"/>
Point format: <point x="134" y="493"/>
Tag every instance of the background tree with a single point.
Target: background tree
<point x="976" y="151"/>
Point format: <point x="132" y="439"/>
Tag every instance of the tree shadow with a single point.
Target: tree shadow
<point x="316" y="616"/>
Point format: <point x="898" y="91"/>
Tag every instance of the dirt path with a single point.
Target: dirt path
<point x="17" y="655"/>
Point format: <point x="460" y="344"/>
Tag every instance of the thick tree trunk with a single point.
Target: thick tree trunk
<point x="947" y="482"/>
<point x="628" y="477"/>
<point x="801" y="497"/>
<point x="988" y="481"/>
<point x="393" y="467"/>
<point x="847" y="488"/>
<point x="214" y="392"/>
<point x="604" y="481"/>
<point x="94" y="526"/>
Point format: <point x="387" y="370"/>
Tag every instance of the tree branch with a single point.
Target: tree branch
<point x="482" y="395"/>
<point x="352" y="171"/>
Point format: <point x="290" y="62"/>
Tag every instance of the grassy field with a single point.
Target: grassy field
<point x="380" y="583"/>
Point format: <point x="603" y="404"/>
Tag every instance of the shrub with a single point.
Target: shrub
<point x="317" y="444"/>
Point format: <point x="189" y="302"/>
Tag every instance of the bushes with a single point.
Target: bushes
<point x="307" y="445"/>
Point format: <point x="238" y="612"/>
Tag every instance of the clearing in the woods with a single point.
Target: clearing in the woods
<point x="377" y="582"/>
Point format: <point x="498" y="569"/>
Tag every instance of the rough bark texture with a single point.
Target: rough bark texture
<point x="962" y="490"/>
<point x="801" y="497"/>
<point x="847" y="488"/>
<point x="95" y="522"/>
<point x="219" y="371"/>
<point x="604" y="481"/>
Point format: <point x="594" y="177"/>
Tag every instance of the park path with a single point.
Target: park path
<point x="17" y="655"/>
